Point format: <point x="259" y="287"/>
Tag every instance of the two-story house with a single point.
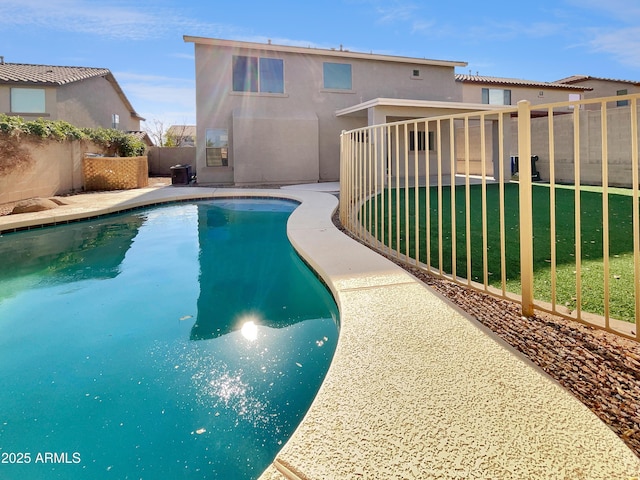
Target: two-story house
<point x="273" y="114"/>
<point x="83" y="96"/>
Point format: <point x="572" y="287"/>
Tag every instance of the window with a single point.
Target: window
<point x="337" y="76"/>
<point x="115" y="121"/>
<point x="217" y="147"/>
<point x="496" y="96"/>
<point x="253" y="74"/>
<point x="622" y="103"/>
<point x="422" y="139"/>
<point x="28" y="100"/>
<point x="271" y="75"/>
<point x="574" y="97"/>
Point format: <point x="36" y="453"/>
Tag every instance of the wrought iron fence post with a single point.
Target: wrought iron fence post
<point x="526" y="208"/>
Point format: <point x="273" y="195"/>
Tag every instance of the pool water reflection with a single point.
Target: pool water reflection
<point x="184" y="341"/>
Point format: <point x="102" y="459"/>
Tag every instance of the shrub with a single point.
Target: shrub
<point x="115" y="142"/>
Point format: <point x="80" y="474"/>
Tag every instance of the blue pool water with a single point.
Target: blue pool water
<point x="183" y="341"/>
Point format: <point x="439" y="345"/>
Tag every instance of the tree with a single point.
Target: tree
<point x="173" y="136"/>
<point x="181" y="136"/>
<point x="156" y="132"/>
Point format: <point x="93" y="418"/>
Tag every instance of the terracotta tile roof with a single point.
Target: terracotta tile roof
<point x="52" y="75"/>
<point x="182" y="130"/>
<point x="21" y="73"/>
<point x="516" y="82"/>
<point x="584" y="78"/>
<point x="143" y="136"/>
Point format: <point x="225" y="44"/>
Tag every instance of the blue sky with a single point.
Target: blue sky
<point x="141" y="41"/>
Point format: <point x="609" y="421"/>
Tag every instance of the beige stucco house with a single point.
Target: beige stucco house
<point x="509" y="91"/>
<point x="598" y="87"/>
<point x="181" y="135"/>
<point x="273" y="114"/>
<point x="83" y="96"/>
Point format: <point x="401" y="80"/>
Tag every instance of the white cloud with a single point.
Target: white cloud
<point x="625" y="10"/>
<point x="279" y="41"/>
<point x="183" y="56"/>
<point x="623" y="44"/>
<point x="511" y="30"/>
<point x="108" y="18"/>
<point x="171" y="99"/>
<point x="396" y="12"/>
<point x="423" y="26"/>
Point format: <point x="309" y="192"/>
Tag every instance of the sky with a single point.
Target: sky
<point x="142" y="43"/>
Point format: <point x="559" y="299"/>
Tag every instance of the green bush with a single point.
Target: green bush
<point x="114" y="141"/>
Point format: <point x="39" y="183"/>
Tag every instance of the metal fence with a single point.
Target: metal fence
<point x="534" y="203"/>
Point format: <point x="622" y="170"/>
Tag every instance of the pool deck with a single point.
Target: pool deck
<point x="417" y="388"/>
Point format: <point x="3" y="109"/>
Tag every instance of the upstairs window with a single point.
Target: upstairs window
<point x="28" y="100"/>
<point x="337" y="76"/>
<point x="259" y="75"/>
<point x="496" y="96"/>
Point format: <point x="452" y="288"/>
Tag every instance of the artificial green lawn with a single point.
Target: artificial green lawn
<point x="621" y="302"/>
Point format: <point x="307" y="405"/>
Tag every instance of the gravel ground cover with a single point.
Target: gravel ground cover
<point x="600" y="369"/>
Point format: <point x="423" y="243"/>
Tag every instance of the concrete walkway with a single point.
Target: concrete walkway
<point x="416" y="388"/>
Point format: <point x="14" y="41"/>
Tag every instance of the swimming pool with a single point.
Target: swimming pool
<point x="183" y="341"/>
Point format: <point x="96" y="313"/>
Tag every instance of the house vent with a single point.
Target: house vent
<point x="1" y="60"/>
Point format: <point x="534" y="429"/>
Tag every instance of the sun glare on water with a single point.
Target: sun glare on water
<point x="249" y="330"/>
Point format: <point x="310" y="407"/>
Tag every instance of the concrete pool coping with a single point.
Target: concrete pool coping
<point x="417" y="388"/>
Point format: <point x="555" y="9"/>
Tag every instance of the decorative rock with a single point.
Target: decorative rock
<point x="34" y="205"/>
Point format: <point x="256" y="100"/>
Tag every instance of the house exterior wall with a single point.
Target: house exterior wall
<point x="406" y="131"/>
<point x="475" y="149"/>
<point x="472" y="93"/>
<point x="606" y="88"/>
<point x="294" y="136"/>
<point x="91" y="103"/>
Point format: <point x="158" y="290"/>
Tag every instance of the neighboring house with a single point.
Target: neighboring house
<point x="509" y="91"/>
<point x="83" y="96"/>
<point x="143" y="136"/>
<point x="181" y="136"/>
<point x="603" y="87"/>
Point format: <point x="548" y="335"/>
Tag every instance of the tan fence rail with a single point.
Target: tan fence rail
<point x="533" y="203"/>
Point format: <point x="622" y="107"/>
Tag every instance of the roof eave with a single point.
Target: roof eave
<point x="112" y="80"/>
<point x="319" y="51"/>
<point x="401" y="102"/>
<point x="516" y="83"/>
